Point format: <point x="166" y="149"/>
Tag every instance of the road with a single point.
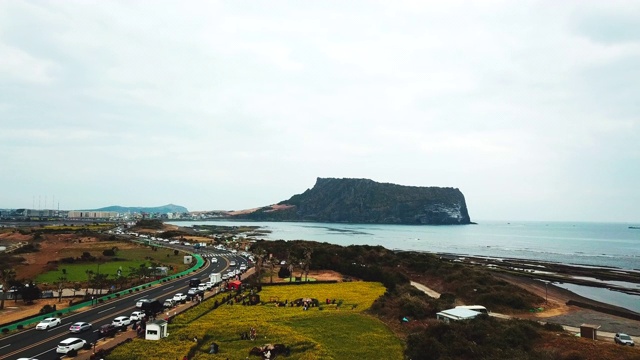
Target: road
<point x="41" y="344"/>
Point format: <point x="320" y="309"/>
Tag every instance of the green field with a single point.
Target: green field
<point x="130" y="257"/>
<point x="325" y="332"/>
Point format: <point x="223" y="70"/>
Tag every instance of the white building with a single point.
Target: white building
<point x="456" y="314"/>
<point x="156" y="330"/>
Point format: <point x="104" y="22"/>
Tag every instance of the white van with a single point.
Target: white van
<point x="478" y="308"/>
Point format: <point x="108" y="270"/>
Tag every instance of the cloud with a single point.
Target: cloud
<point x="224" y="105"/>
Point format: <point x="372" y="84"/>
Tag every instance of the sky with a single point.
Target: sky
<point x="530" y="108"/>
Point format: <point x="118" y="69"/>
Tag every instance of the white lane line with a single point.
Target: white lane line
<point x="5" y="346"/>
<point x="169" y="287"/>
<point x="55" y="327"/>
<point x="36" y="356"/>
<point x="105" y="310"/>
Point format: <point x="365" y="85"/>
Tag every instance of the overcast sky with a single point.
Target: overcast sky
<point x="531" y="109"/>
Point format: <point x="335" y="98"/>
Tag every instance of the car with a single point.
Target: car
<point x="283" y="262"/>
<point x="243" y="267"/>
<point x="180" y="297"/>
<point x="623" y="339"/>
<point x="214" y="260"/>
<point x="202" y="287"/>
<point x="121" y="321"/>
<point x="48" y="323"/>
<point x="69" y="345"/>
<point x="142" y="301"/>
<point x="209" y="285"/>
<point x="109" y="330"/>
<point x="232" y="263"/>
<point x="136" y="316"/>
<point x="80" y="327"/>
<point x="169" y="303"/>
<point x="225" y="276"/>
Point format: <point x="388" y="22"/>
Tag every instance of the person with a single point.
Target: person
<point x="213" y="349"/>
<point x="253" y="333"/>
<point x="195" y="339"/>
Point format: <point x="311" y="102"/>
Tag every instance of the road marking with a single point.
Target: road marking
<point x="111" y="308"/>
<point x="168" y="287"/>
<point x="38" y="355"/>
<point x="55" y="327"/>
<point x="5" y="346"/>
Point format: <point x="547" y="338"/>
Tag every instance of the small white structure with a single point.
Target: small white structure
<point x="456" y="314"/>
<point x="156" y="330"/>
<point x="188" y="259"/>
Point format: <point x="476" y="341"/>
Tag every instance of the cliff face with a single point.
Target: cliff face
<point x="366" y="201"/>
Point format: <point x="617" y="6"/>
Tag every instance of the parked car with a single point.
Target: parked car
<point x="623" y="339"/>
<point x="202" y="287"/>
<point x="108" y="330"/>
<point x="208" y="285"/>
<point x="48" y="323"/>
<point x="232" y="263"/>
<point x="80" y="327"/>
<point x="121" y="321"/>
<point x="243" y="267"/>
<point x="136" y="316"/>
<point x="70" y="345"/>
<point x="169" y="303"/>
<point x="194" y="282"/>
<point x="140" y="302"/>
<point x="180" y="297"/>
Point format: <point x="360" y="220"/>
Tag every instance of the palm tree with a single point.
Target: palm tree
<point x="260" y="255"/>
<point x="6" y="276"/>
<point x="307" y="262"/>
<point x="90" y="274"/>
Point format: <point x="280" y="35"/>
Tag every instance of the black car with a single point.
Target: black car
<point x="108" y="330"/>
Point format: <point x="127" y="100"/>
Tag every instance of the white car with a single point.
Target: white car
<point x="180" y="298"/>
<point x="137" y="316"/>
<point x="202" y="287"/>
<point x="243" y="267"/>
<point x="214" y="259"/>
<point x="48" y="323"/>
<point x="80" y="327"/>
<point x="209" y="285"/>
<point x="70" y="344"/>
<point x="121" y="321"/>
<point x="623" y="339"/>
<point x="142" y="301"/>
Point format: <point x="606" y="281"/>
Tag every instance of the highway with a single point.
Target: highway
<point x="41" y="344"/>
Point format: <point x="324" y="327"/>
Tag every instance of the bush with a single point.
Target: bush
<point x="5" y="330"/>
<point x="46" y="309"/>
<point x="20" y="327"/>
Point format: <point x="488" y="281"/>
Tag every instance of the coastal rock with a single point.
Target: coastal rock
<point x="367" y="201"/>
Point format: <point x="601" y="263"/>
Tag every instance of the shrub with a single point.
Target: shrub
<point x="5" y="330"/>
<point x="20" y="326"/>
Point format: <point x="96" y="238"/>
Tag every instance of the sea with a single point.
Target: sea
<point x="613" y="245"/>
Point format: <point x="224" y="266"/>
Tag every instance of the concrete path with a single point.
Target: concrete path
<point x="426" y="290"/>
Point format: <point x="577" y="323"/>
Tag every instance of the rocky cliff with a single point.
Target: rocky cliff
<point x="367" y="201"/>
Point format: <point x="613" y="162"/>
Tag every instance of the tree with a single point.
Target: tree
<point x="30" y="292"/>
<point x="62" y="279"/>
<point x="7" y="276"/>
<point x="260" y="255"/>
<point x="307" y="262"/>
<point x="90" y="274"/>
<point x="76" y="287"/>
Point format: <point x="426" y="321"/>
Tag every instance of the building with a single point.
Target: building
<point x="456" y="314"/>
<point x="156" y="330"/>
<point x="75" y="214"/>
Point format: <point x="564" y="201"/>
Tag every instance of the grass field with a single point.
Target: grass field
<point x="131" y="257"/>
<point x="325" y="332"/>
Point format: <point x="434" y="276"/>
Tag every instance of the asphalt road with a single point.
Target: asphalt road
<point x="41" y="344"/>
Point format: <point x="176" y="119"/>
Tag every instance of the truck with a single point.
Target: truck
<point x="194" y="282"/>
<point x="215" y="278"/>
<point x="152" y="308"/>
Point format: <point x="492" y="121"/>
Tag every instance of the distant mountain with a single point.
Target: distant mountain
<point x="367" y="201"/>
<point x="170" y="208"/>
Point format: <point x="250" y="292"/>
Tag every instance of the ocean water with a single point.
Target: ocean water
<point x="579" y="243"/>
<point x="585" y="244"/>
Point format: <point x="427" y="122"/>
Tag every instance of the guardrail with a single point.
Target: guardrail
<point x="101" y="299"/>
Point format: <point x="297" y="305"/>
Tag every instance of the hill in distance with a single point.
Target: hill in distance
<point x="169" y="208"/>
<point x="365" y="201"/>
